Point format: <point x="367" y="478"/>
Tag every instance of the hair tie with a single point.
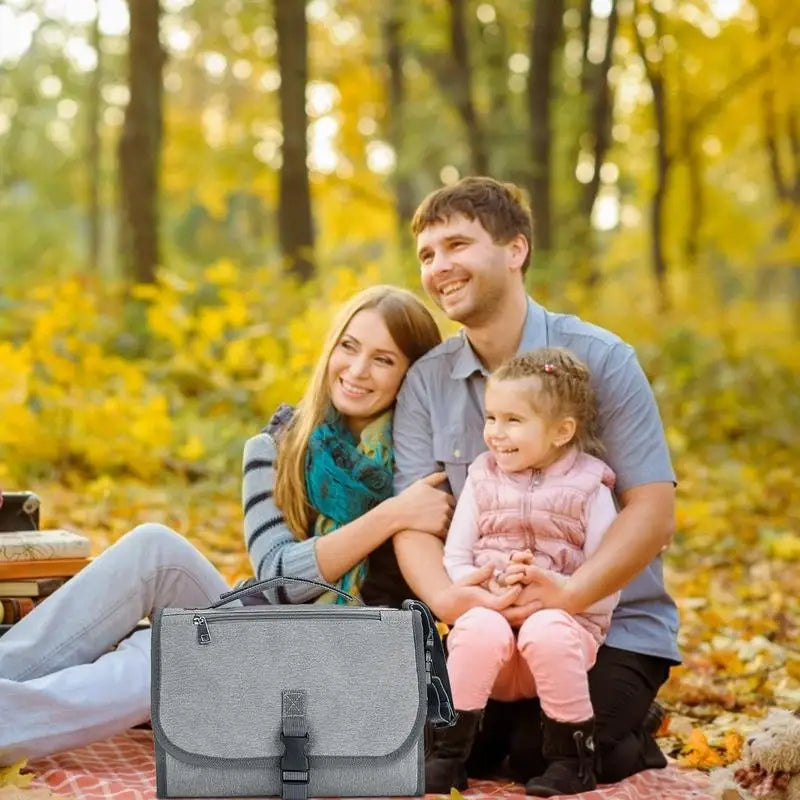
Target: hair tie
<point x="549" y="368"/>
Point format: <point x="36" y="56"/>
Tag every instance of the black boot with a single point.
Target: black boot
<point x="653" y="758"/>
<point x="525" y="758"/>
<point x="653" y="718"/>
<point x="445" y="766"/>
<point x="492" y="740"/>
<point x="569" y="750"/>
<point x="635" y="752"/>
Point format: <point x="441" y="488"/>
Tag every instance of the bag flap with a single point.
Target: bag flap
<point x="362" y="669"/>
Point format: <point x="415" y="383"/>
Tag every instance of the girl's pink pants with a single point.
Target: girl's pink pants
<point x="547" y="657"/>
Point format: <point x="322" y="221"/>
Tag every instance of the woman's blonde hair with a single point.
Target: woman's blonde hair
<point x="413" y="330"/>
<point x="565" y="391"/>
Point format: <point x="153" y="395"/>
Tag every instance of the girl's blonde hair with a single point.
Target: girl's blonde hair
<point x="565" y="391"/>
<point x="413" y="330"/>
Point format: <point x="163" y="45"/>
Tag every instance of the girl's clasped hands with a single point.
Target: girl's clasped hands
<point x="519" y="569"/>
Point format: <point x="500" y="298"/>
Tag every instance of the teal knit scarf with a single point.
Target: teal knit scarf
<point x="345" y="479"/>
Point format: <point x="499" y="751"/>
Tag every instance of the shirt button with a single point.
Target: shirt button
<point x="457" y="453"/>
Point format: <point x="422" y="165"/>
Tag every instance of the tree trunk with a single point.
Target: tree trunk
<point x="93" y="149"/>
<point x="496" y="54"/>
<point x="663" y="161"/>
<point x="781" y="185"/>
<point x="140" y="143"/>
<point x="601" y="104"/>
<point x="694" y="168"/>
<point x="794" y="285"/>
<point x="659" y="259"/>
<point x="586" y="35"/>
<point x="403" y="193"/>
<point x="785" y="173"/>
<point x="594" y="79"/>
<point x="294" y="203"/>
<point x="462" y="88"/>
<point x="545" y="33"/>
<point x="794" y="142"/>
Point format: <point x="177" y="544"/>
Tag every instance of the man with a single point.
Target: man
<point x="473" y="243"/>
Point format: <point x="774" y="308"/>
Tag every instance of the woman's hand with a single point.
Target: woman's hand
<point x="423" y="507"/>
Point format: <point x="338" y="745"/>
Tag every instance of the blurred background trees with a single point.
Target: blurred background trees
<point x="189" y="185"/>
<point x="643" y="130"/>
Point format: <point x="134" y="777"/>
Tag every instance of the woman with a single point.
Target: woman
<point x="60" y="687"/>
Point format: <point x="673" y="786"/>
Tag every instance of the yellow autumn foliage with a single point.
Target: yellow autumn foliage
<point x="12" y="775"/>
<point x="98" y="383"/>
<point x="698" y="753"/>
<point x="107" y="380"/>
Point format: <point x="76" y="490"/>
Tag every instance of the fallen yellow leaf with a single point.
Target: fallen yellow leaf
<point x="733" y="746"/>
<point x="12" y="775"/>
<point x="698" y="752"/>
<point x="663" y="728"/>
<point x="793" y="668"/>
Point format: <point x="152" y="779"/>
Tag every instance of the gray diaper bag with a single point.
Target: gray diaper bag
<point x="295" y="700"/>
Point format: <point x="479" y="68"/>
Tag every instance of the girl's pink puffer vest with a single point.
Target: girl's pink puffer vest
<point x="545" y="513"/>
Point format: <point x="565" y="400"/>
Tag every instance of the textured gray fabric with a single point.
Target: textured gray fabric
<point x="402" y="776"/>
<point x="298" y="791"/>
<point x="217" y="707"/>
<point x="294" y="713"/>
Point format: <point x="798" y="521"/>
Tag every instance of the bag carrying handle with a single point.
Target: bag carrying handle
<point x="441" y="713"/>
<point x="261" y="586"/>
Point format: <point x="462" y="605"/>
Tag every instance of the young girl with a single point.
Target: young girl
<point x="537" y="497"/>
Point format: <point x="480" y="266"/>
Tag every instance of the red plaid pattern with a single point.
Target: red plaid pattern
<point x="760" y="782"/>
<point x="122" y="768"/>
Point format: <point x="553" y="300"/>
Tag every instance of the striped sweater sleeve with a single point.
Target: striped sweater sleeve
<point x="272" y="547"/>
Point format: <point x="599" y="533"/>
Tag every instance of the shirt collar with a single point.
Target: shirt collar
<point x="534" y="331"/>
<point x="465" y="363"/>
<point x="534" y="334"/>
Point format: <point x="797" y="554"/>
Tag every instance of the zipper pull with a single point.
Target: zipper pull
<point x="203" y="634"/>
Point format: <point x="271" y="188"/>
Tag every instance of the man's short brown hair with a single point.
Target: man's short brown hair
<point x="499" y="207"/>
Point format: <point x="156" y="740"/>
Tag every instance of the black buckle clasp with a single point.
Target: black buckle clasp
<point x="294" y="735"/>
<point x="294" y="762"/>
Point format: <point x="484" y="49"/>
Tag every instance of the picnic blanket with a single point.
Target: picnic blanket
<point x="122" y="768"/>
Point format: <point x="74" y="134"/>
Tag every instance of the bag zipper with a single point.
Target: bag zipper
<point x="204" y="634"/>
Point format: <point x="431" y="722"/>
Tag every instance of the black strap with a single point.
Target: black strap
<point x="441" y="713"/>
<point x="258" y="587"/>
<point x="294" y="735"/>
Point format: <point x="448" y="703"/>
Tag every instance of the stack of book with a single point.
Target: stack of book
<point x="33" y="564"/>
